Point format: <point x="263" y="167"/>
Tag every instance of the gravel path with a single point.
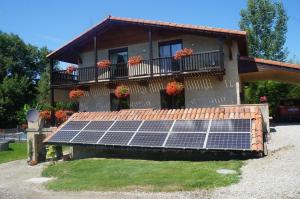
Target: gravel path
<point x="275" y="176"/>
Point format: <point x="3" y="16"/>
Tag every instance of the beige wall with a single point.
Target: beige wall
<point x="199" y="91"/>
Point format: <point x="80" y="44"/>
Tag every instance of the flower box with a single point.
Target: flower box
<point x="183" y="53"/>
<point x="103" y="64"/>
<point x="135" y="60"/>
<point x="75" y="94"/>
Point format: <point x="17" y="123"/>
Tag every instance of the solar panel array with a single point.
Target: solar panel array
<point x="231" y="134"/>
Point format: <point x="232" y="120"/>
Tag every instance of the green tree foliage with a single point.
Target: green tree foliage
<point x="266" y="24"/>
<point x="15" y="91"/>
<point x="21" y="67"/>
<point x="43" y="88"/>
<point x="275" y="91"/>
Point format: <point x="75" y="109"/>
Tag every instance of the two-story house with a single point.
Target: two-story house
<point x="208" y="65"/>
<point x="212" y="75"/>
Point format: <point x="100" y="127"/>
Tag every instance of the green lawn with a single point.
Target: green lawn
<point x="146" y="175"/>
<point x="16" y="151"/>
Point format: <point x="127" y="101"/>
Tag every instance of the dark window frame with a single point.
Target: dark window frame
<point x="113" y="96"/>
<point x="117" y="50"/>
<point x="169" y="43"/>
<point x="172" y="99"/>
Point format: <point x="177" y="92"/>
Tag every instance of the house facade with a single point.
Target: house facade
<point x="213" y="75"/>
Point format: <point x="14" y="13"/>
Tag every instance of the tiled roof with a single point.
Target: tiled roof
<point x="155" y="23"/>
<point x="271" y="62"/>
<point x="176" y="25"/>
<point x="252" y="113"/>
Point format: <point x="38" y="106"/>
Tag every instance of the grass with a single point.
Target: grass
<point x="145" y="175"/>
<point x="16" y="151"/>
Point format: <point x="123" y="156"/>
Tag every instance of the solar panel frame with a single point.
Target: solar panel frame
<point x="125" y="125"/>
<point x="181" y="126"/>
<point x="98" y="125"/>
<point x="63" y="136"/>
<point x="116" y="138"/>
<point x="229" y="141"/>
<point x="87" y="137"/>
<point x="148" y="139"/>
<point x="156" y="126"/>
<point x="231" y="125"/>
<point x="79" y="125"/>
<point x="186" y="140"/>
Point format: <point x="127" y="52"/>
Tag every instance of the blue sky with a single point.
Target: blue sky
<point x="52" y="23"/>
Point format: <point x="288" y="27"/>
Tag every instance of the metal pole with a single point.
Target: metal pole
<point x="96" y="58"/>
<point x="150" y="51"/>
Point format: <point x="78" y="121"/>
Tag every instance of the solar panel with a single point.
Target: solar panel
<point x="88" y="137"/>
<point x="190" y="126"/>
<point x="125" y="126"/>
<point x="161" y="126"/>
<point x="148" y="139"/>
<point x="186" y="140"/>
<point x="228" y="141"/>
<point x="63" y="136"/>
<point x="116" y="138"/>
<point x="75" y="125"/>
<point x="98" y="125"/>
<point x="233" y="134"/>
<point x="231" y="125"/>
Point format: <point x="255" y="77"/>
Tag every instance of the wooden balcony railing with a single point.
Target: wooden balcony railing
<point x="201" y="62"/>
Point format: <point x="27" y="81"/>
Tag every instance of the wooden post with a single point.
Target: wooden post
<point x="52" y="93"/>
<point x="221" y="43"/>
<point x="150" y="51"/>
<point x="96" y="58"/>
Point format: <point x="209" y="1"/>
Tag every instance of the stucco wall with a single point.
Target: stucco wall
<point x="199" y="91"/>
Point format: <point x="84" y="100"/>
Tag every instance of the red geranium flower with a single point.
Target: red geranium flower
<point x="174" y="88"/>
<point x="134" y="60"/>
<point x="75" y="94"/>
<point x="122" y="91"/>
<point x="183" y="53"/>
<point x="46" y="115"/>
<point x="105" y="63"/>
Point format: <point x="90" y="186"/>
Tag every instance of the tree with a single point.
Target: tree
<point x="266" y="24"/>
<point x="21" y="67"/>
<point x="14" y="93"/>
<point x="43" y="88"/>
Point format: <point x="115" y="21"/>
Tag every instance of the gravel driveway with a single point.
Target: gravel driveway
<point x="275" y="176"/>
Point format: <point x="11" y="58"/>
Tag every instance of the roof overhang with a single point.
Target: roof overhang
<point x="69" y="51"/>
<point x="255" y="69"/>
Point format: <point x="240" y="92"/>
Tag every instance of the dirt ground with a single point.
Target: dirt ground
<point x="274" y="176"/>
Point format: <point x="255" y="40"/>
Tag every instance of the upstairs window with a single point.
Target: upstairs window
<point x="166" y="51"/>
<point x="119" y="58"/>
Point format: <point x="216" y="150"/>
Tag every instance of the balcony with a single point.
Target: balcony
<point x="211" y="62"/>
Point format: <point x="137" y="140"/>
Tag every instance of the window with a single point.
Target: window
<point x="117" y="104"/>
<point x="166" y="51"/>
<point x="172" y="102"/>
<point x="119" y="58"/>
